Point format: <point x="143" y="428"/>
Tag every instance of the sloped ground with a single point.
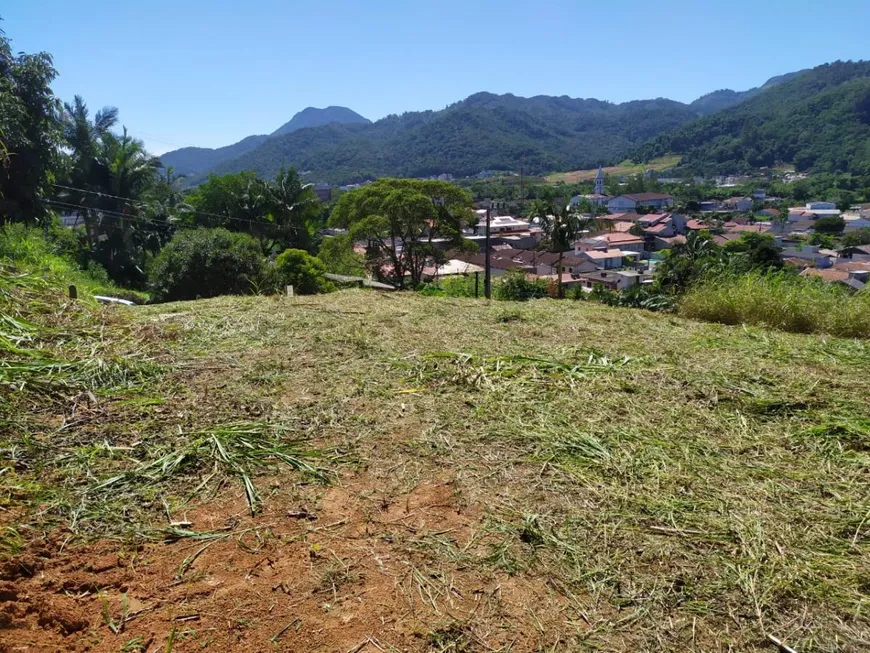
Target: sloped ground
<point x="364" y="472"/>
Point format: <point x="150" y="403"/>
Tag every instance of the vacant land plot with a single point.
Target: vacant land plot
<point x="624" y="168"/>
<point x="364" y="472"/>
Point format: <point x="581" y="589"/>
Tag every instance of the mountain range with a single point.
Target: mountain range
<point x="724" y="131"/>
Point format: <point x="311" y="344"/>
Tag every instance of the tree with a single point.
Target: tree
<point x="757" y="252"/>
<point x="123" y="173"/>
<point x="297" y="268"/>
<point x="830" y="225"/>
<point x="281" y="214"/>
<point x="560" y="224"/>
<point x="687" y="262"/>
<point x="400" y="220"/>
<point x="338" y="256"/>
<point x="206" y="263"/>
<point x="29" y="133"/>
<point x="857" y="238"/>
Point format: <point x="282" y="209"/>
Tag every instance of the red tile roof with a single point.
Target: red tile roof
<point x="827" y="275"/>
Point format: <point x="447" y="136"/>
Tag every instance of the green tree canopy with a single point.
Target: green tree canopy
<point x="400" y="219"/>
<point x="29" y="133"/>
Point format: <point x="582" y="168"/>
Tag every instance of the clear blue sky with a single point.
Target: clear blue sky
<point x="209" y="72"/>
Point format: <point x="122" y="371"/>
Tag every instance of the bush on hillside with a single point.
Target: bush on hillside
<point x="780" y="301"/>
<point x="55" y="256"/>
<point x="297" y="268"/>
<point x="516" y="286"/>
<point x="206" y="263"/>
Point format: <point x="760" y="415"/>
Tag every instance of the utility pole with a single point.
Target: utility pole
<point x="487" y="283"/>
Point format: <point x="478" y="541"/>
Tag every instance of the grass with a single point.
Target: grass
<point x="782" y="302"/>
<point x="624" y="168"/>
<point x="628" y="480"/>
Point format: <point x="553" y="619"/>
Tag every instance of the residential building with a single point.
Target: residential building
<point x="613" y="240"/>
<point x="808" y="253"/>
<point x="609" y="259"/>
<point x="631" y="202"/>
<point x="740" y="204"/>
<point x="610" y="280"/>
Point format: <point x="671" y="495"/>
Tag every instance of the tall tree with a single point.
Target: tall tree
<point x="29" y="133"/>
<point x="83" y="139"/>
<point x="400" y="220"/>
<point x="561" y="225"/>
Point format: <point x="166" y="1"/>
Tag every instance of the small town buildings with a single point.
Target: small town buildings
<point x="809" y="253"/>
<point x="612" y="240"/>
<point x="631" y="202"/>
<point x="739" y="204"/>
<point x="609" y="259"/>
<point x="617" y="281"/>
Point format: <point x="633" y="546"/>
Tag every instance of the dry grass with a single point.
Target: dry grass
<point x="624" y="168"/>
<point x="662" y="484"/>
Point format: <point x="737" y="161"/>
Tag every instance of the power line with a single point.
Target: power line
<point x="145" y="205"/>
<point x="107" y="213"/>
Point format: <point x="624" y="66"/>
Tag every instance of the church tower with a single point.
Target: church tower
<point x="599" y="181"/>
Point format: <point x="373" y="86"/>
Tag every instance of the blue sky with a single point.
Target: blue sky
<point x="209" y="72"/>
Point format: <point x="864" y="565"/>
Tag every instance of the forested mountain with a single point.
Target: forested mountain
<point x="719" y="100"/>
<point x="311" y="117"/>
<point x="193" y="161"/>
<point x="484" y="131"/>
<point x="818" y="120"/>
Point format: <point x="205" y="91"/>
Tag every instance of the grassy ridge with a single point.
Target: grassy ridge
<point x="780" y="301"/>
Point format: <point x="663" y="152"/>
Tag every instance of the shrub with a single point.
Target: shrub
<point x="297" y="268"/>
<point x="516" y="286"/>
<point x="780" y="301"/>
<point x="830" y="225"/>
<point x="205" y="263"/>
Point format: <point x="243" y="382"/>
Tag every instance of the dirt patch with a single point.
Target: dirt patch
<point x="338" y="569"/>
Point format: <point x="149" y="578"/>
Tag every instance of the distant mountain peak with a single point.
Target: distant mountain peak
<point x="314" y="117"/>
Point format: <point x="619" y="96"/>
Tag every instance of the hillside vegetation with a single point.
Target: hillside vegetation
<point x="356" y="470"/>
<point x="818" y="120"/>
<point x="484" y="131"/>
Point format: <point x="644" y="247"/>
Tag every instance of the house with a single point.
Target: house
<point x="665" y="242"/>
<point x="568" y="280"/>
<point x="626" y="203"/>
<point x="813" y="211"/>
<point x="856" y="280"/>
<point x="709" y="206"/>
<point x="613" y="240"/>
<point x="759" y="194"/>
<point x="610" y="280"/>
<point x="696" y="225"/>
<point x="453" y="267"/>
<point x="808" y="253"/>
<point x="770" y="213"/>
<point x="739" y="204"/>
<point x="503" y="224"/>
<point x="757" y="228"/>
<point x="609" y="259"/>
<point x="323" y="192"/>
<point x="854" y="223"/>
<point x="857" y="253"/>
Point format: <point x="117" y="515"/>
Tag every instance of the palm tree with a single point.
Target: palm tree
<point x="560" y="223"/>
<point x="294" y="207"/>
<point x="83" y="138"/>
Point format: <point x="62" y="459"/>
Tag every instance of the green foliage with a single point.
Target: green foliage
<point x="48" y="255"/>
<point x="482" y="132"/>
<point x="206" y="263"/>
<point x="516" y="286"/>
<point x="400" y="218"/>
<point x="830" y="225"/>
<point x="856" y="238"/>
<point x="756" y="252"/>
<point x="297" y="268"/>
<point x="816" y="121"/>
<point x="338" y="256"/>
<point x="28" y="133"/>
<point x="823" y="240"/>
<point x="280" y="213"/>
<point x="686" y="263"/>
<point x="780" y="301"/>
